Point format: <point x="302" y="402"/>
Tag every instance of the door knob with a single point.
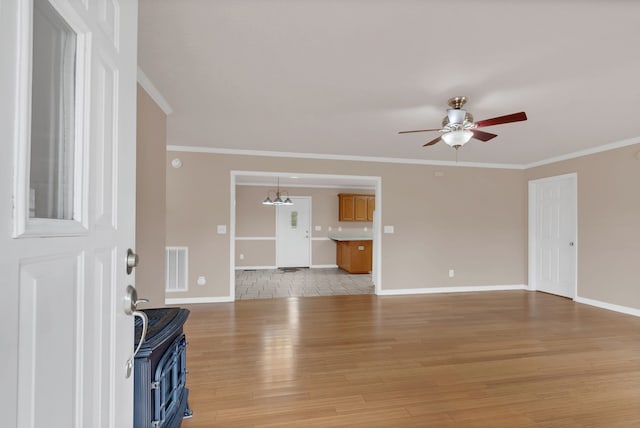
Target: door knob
<point x="131" y="300"/>
<point x="132" y="261"/>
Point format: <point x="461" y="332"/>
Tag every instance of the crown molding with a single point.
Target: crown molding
<point x="586" y="152"/>
<point x="197" y="149"/>
<point x="568" y="156"/>
<point x="153" y="92"/>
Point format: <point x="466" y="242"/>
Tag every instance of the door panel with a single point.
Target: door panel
<point x="104" y="92"/>
<point x="293" y="233"/>
<point x="48" y="340"/>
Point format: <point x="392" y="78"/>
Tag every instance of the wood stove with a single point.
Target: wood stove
<point x="160" y="370"/>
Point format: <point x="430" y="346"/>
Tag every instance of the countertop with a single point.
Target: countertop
<point x="351" y="236"/>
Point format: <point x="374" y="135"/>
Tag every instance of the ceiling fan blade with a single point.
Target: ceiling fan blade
<point x="432" y="142"/>
<point x="515" y="117"/>
<point x="419" y="130"/>
<point x="482" y="136"/>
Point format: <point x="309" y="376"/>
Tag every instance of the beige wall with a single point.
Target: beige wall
<point x="608" y="223"/>
<point x="472" y="220"/>
<point x="150" y="199"/>
<point x="254" y="220"/>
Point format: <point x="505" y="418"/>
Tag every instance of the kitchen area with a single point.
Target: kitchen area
<point x="354" y="246"/>
<point x="341" y="239"/>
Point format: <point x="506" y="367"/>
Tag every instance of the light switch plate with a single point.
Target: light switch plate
<point x="389" y="229"/>
<point x="222" y="229"/>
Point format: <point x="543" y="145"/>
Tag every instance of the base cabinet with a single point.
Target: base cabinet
<point x="354" y="256"/>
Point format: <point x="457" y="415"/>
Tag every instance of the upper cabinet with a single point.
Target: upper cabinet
<point x="354" y="207"/>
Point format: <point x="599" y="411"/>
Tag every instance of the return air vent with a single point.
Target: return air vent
<point x="176" y="278"/>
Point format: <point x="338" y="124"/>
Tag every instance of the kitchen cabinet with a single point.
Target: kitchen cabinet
<point x="355" y="207"/>
<point x="354" y="256"/>
<point x="371" y="205"/>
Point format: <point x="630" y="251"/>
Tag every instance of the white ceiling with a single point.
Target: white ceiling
<point x="342" y="77"/>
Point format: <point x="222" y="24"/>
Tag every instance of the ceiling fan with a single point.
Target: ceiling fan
<point x="458" y="126"/>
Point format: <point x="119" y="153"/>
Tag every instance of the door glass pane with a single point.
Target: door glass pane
<point x="52" y="114"/>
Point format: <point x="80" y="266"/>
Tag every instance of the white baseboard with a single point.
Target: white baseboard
<point x="464" y="289"/>
<point x="190" y="300"/>
<point x="610" y="306"/>
<point x="256" y="267"/>
<point x="323" y="266"/>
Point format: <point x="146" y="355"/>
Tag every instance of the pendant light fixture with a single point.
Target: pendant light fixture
<point x="277" y="200"/>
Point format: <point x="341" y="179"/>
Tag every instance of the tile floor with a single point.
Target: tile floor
<point x="271" y="283"/>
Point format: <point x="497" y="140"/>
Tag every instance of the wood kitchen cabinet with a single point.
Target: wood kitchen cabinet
<point x="355" y="207"/>
<point x="354" y="256"/>
<point x="371" y="206"/>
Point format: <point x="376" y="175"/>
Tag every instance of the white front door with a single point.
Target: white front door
<point x="552" y="239"/>
<point x="67" y="211"/>
<point x="293" y="233"/>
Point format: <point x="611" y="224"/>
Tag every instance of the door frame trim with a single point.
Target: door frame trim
<point x="532" y="243"/>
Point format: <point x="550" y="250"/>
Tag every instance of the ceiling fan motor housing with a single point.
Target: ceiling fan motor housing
<point x="457" y="117"/>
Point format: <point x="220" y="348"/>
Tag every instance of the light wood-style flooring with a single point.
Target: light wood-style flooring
<point x="491" y="359"/>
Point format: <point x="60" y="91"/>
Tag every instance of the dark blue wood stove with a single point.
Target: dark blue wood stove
<point x="160" y="370"/>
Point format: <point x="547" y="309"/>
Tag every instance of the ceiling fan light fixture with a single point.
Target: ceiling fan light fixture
<point x="457" y="138"/>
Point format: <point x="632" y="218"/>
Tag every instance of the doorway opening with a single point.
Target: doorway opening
<point x="257" y="252"/>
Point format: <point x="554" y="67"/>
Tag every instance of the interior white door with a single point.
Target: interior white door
<point x="554" y="242"/>
<point x="293" y="242"/>
<point x="67" y="186"/>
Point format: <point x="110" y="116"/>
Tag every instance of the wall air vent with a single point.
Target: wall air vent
<point x="177" y="267"/>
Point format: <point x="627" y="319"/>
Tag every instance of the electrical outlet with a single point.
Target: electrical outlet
<point x="202" y="280"/>
<point x="451" y="273"/>
<point x="241" y="256"/>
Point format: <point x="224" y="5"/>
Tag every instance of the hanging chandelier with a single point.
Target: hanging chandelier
<point x="277" y="197"/>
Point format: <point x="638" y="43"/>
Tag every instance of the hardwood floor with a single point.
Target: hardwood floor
<point x="490" y="359"/>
